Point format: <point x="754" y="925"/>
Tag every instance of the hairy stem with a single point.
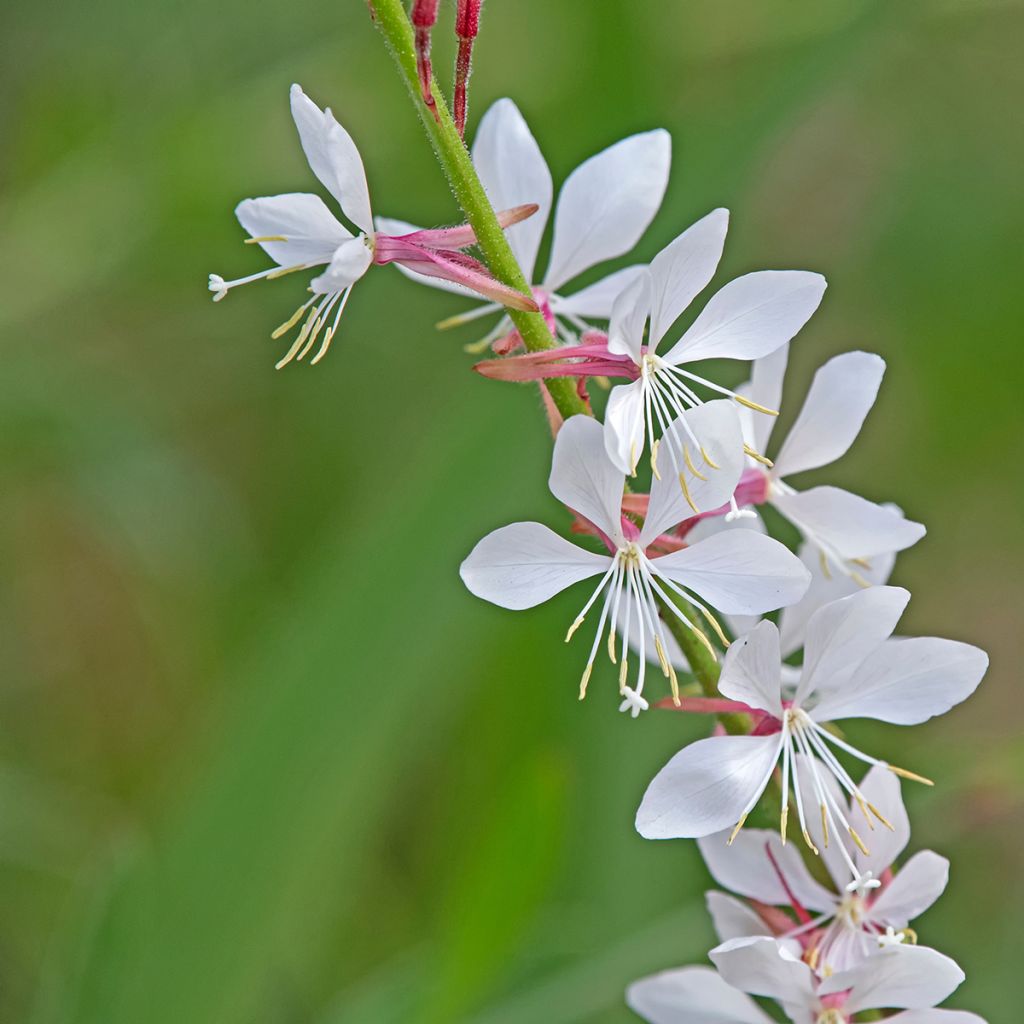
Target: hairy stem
<point x="451" y="152"/>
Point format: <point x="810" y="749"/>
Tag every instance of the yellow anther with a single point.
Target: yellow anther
<point x="823" y="562"/>
<point x="689" y="462"/>
<point x="857" y="839"/>
<point x="265" y="238"/>
<point x="757" y="456"/>
<point x="862" y="562"/>
<point x="707" y="458"/>
<point x="910" y="935"/>
<point x="860" y="581"/>
<point x="634" y="458"/>
<point x="783" y="824"/>
<point x="702" y="637"/>
<point x="686" y="493"/>
<point x="611" y="645"/>
<point x="810" y="845"/>
<point x="654" y="459"/>
<point x="913" y="776"/>
<point x="623" y="669"/>
<point x="281" y="271"/>
<point x="673" y="681"/>
<point x="757" y="408"/>
<point x="824" y="825"/>
<point x="572" y="629"/>
<point x="718" y="629"/>
<point x="881" y="817"/>
<point x="812" y="957"/>
<point x="864" y="810"/>
<point x="736" y="830"/>
<point x="289" y="323"/>
<point x="585" y="679"/>
<point x="324" y="347"/>
<point x="474" y="348"/>
<point x="659" y="647"/>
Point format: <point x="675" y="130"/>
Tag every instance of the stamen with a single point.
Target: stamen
<point x="754" y="405"/>
<point x="878" y="814"/>
<point x="585" y="679"/>
<point x="823" y="561"/>
<point x="292" y="320"/>
<point x="860" y="581"/>
<point x="265" y="238"/>
<point x="283" y="271"/>
<point x="783" y="823"/>
<point x="824" y="824"/>
<point x="857" y="839"/>
<point x="758" y="457"/>
<point x="686" y="493"/>
<point x="813" y="848"/>
<point x="707" y="458"/>
<point x="654" y="459"/>
<point x="689" y="462"/>
<point x="913" y="776"/>
<point x="736" y="830"/>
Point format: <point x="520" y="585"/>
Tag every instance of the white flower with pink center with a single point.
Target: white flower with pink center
<point x="852" y="668"/>
<point x="847" y="531"/>
<point x="870" y="905"/>
<point x="910" y="979"/>
<point x="298" y="232"/>
<point x="604" y="207"/>
<point x="740" y="572"/>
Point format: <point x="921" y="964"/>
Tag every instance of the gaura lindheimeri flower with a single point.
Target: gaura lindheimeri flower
<point x="746" y="319"/>
<point x="525" y="564"/>
<point x="836" y="928"/>
<point x="847" y="530"/>
<point x="298" y="232"/>
<point x="604" y="207"/>
<point x="911" y="977"/>
<point x="851" y="669"/>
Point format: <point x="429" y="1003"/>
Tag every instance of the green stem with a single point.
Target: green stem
<point x="454" y="158"/>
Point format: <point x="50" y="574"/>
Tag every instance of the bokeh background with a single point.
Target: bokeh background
<point x="262" y="758"/>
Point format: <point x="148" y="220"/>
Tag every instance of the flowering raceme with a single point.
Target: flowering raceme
<point x="829" y="942"/>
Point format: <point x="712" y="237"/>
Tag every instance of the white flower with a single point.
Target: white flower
<point x="298" y="232"/>
<point x="748" y="318"/>
<point x="522" y="565"/>
<point x="604" y="207"/>
<point x="846" y="530"/>
<point x="700" y="995"/>
<point x="850" y="921"/>
<point x="911" y="978"/>
<point x="851" y="669"/>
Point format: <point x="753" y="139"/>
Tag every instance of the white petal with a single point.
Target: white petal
<point x="900" y="977"/>
<point x="751" y="316"/>
<point x="311" y="230"/>
<point x="765" y="388"/>
<point x="584" y="478"/>
<point x="606" y="204"/>
<point x="740" y="572"/>
<point x="524" y="564"/>
<point x="513" y="171"/>
<point x="716" y="426"/>
<point x="683" y="268"/>
<point x="907" y="681"/>
<point x="348" y="264"/>
<point x="692" y="995"/>
<point x="935" y="1016"/>
<point x="917" y="885"/>
<point x="334" y="158"/>
<point x="881" y="788"/>
<point x="595" y="301"/>
<point x="706" y="786"/>
<point x="841" y="634"/>
<point x="764" y="967"/>
<point x="624" y="425"/>
<point x="839" y="399"/>
<point x="751" y="670"/>
<point x="854" y="526"/>
<point x="732" y="918"/>
<point x="629" y="314"/>
<point x="390" y="226"/>
<point x="823" y="589"/>
<point x="745" y="868"/>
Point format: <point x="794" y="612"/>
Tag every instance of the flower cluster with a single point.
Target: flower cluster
<point x="684" y="569"/>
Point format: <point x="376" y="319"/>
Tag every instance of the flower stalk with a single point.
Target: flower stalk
<point x="451" y="152"/>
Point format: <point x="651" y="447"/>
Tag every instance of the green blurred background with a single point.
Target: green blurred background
<point x="262" y="758"/>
